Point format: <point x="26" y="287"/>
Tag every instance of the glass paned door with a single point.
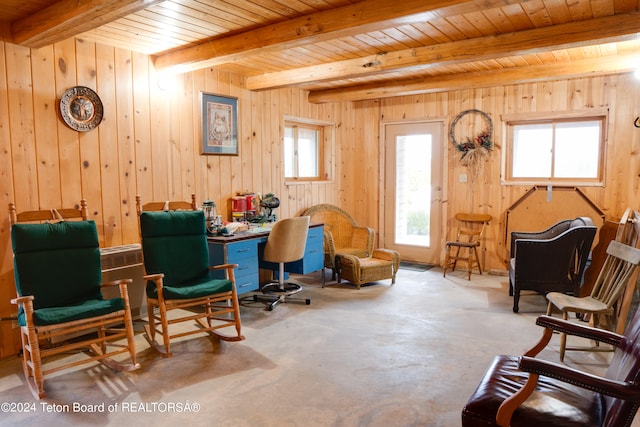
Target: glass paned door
<point x="413" y="190"/>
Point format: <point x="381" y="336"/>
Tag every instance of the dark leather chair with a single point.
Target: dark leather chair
<point x="526" y="391"/>
<point x="552" y="260"/>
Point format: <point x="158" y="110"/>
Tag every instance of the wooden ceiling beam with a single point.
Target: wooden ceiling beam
<point x="563" y="36"/>
<point x="68" y="18"/>
<point x="357" y="18"/>
<point x="507" y="76"/>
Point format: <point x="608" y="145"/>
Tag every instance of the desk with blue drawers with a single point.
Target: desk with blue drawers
<point x="245" y="249"/>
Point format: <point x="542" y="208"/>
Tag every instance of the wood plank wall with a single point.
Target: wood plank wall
<point x="148" y="144"/>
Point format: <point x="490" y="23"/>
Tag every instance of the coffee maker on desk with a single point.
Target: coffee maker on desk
<point x="238" y="209"/>
<point x="244" y="207"/>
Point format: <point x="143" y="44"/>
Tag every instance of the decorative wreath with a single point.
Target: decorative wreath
<point x="475" y="151"/>
<point x="482" y="140"/>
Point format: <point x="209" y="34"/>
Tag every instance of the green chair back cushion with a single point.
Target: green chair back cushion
<point x="175" y="243"/>
<point x="57" y="263"/>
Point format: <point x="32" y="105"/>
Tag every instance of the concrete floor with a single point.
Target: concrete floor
<point x="402" y="355"/>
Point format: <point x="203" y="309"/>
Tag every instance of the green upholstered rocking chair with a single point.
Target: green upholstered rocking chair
<point x="176" y="260"/>
<point x="61" y="308"/>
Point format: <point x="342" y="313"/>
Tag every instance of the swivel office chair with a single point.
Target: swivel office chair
<point x="286" y="243"/>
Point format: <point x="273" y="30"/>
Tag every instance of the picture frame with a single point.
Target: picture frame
<point x="219" y="115"/>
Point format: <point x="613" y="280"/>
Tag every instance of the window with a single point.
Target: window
<point x="306" y="149"/>
<point x="557" y="150"/>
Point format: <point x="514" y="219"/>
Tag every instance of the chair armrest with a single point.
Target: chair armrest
<point x="154" y="276"/>
<point x="583" y="331"/>
<point x="22" y="300"/>
<point x="551" y="232"/>
<point x="229" y="271"/>
<point x="117" y="282"/>
<point x="389" y="255"/>
<point x="551" y="324"/>
<point x="26" y="302"/>
<point x="618" y="389"/>
<point x="329" y="249"/>
<point x="363" y="237"/>
<point x="538" y="367"/>
<point x="348" y="262"/>
<point x="122" y="285"/>
<point x="533" y="235"/>
<point x="223" y="266"/>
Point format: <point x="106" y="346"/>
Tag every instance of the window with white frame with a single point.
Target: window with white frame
<point x="306" y="147"/>
<point x="560" y="150"/>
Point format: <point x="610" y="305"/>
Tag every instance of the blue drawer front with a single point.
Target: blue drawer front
<point x="245" y="254"/>
<point x="247" y="283"/>
<point x="241" y="250"/>
<point x="313" y="254"/>
<point x="246" y="268"/>
<point x="314" y="239"/>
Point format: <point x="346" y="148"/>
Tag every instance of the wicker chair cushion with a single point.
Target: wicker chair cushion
<point x="359" y="252"/>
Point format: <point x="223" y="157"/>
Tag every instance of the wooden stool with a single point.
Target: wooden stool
<point x="382" y="264"/>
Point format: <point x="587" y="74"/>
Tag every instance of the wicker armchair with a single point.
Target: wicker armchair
<point x="341" y="234"/>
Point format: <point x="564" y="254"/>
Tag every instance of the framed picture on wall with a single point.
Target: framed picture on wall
<point x="219" y="124"/>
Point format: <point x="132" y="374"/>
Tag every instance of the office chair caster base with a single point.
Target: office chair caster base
<point x="287" y="289"/>
<point x="272" y="300"/>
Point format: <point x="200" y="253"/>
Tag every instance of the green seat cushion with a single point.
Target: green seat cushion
<point x="209" y="287"/>
<point x="85" y="310"/>
<point x="57" y="263"/>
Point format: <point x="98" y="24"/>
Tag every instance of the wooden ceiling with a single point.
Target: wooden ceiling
<point x="348" y="49"/>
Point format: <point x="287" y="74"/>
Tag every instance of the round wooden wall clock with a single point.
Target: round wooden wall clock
<point x="81" y="108"/>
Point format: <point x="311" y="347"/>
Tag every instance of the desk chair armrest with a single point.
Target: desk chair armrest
<point x="584" y="331"/>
